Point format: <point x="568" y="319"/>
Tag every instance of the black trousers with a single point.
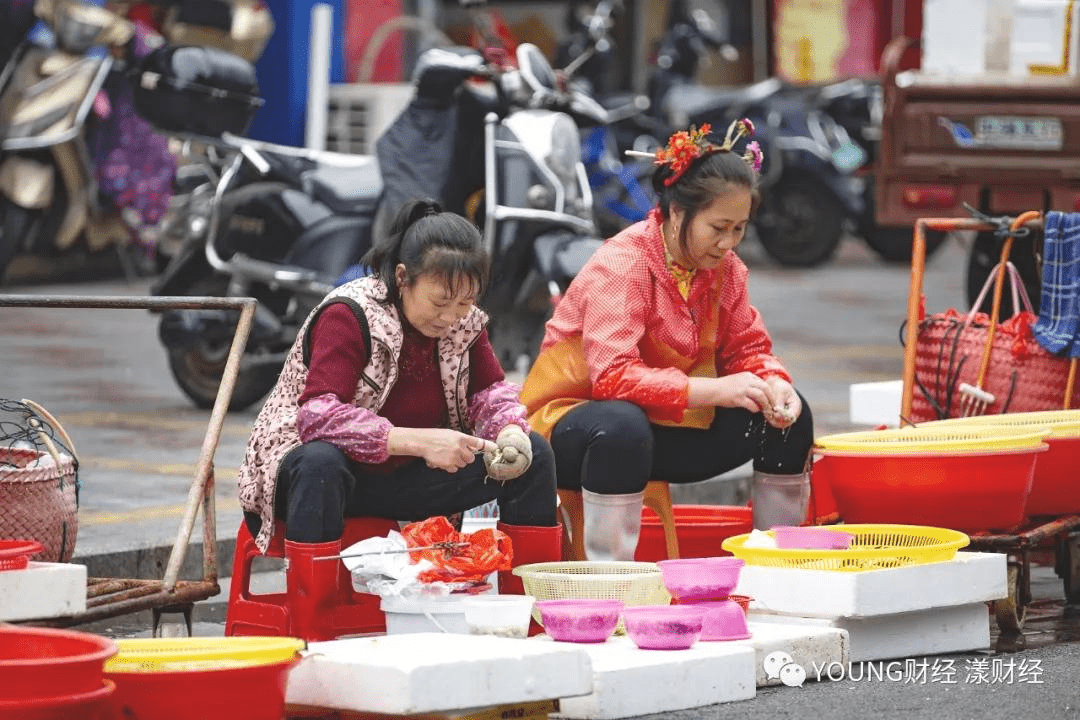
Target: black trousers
<point x="319" y="486"/>
<point x="610" y="447"/>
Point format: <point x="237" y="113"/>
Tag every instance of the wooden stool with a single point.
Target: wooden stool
<point x="657" y="498"/>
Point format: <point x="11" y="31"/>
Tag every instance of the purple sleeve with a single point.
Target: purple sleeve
<point x="360" y="433"/>
<point x="495" y="407"/>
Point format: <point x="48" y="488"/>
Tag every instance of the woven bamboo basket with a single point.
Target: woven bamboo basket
<point x="39" y="497"/>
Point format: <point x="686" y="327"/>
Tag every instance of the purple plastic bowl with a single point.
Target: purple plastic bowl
<point x="724" y="620"/>
<point x="664" y="627"/>
<point x="811" y="538"/>
<point x="580" y="621"/>
<point x="701" y="578"/>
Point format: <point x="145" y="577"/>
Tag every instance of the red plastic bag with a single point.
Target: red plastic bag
<point x="488" y="550"/>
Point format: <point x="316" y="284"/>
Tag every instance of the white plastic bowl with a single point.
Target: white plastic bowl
<point x="500" y="615"/>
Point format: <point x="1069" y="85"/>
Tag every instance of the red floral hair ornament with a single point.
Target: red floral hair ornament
<point x="686" y="146"/>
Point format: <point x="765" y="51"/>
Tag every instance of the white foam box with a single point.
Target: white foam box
<point x="967" y="578"/>
<point x="435" y="673"/>
<point x="1044" y="37"/>
<point x="807" y="645"/>
<point x="875" y="403"/>
<point x="628" y="681"/>
<point x="42" y="590"/>
<point x="903" y="635"/>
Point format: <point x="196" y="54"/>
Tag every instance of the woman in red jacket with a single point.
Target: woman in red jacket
<point x="656" y="366"/>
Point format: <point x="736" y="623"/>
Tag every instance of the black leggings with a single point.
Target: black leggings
<point x="610" y="447"/>
<point x="319" y="485"/>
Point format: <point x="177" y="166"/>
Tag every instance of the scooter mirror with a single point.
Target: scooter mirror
<point x="535" y="69"/>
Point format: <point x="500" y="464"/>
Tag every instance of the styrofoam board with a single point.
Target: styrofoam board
<point x="806" y="645"/>
<point x="968" y="578"/>
<point x="42" y="590"/>
<point x="434" y="672"/>
<point x="629" y="681"/>
<point x="904" y="635"/>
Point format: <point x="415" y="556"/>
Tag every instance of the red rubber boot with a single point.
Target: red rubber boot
<point x="312" y="586"/>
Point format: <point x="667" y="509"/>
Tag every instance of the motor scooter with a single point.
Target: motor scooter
<point x="48" y="88"/>
<point x="283" y="224"/>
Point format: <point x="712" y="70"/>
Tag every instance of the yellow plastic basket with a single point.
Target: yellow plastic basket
<point x="1060" y="423"/>
<point x="148" y="655"/>
<point x="635" y="583"/>
<point x="924" y="439"/>
<point x="874" y="547"/>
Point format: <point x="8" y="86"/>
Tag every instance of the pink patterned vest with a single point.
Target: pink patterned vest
<point x="274" y="433"/>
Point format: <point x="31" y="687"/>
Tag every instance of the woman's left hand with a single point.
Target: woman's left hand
<point x="787" y="407"/>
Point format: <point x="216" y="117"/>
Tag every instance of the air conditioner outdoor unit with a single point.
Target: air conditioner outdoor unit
<point x="358" y="113"/>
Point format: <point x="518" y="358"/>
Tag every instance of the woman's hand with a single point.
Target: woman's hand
<point x="443" y="449"/>
<point x="743" y="390"/>
<point x="786" y="406"/>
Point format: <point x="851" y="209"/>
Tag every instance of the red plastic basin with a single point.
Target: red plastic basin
<point x="93" y="705"/>
<point x="1054" y="490"/>
<point x="253" y="692"/>
<point x="962" y="491"/>
<point x="47" y="663"/>
<point x="700" y="529"/>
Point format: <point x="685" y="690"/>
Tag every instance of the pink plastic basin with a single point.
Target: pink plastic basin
<point x="701" y="578"/>
<point x="579" y="620"/>
<point x="664" y="627"/>
<point x="809" y="538"/>
<point x="724" y="620"/>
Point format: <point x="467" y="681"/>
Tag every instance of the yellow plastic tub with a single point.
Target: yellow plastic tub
<point x="200" y="653"/>
<point x="1059" y="423"/>
<point x="932" y="440"/>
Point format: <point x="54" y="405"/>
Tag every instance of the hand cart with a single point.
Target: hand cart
<point x="111" y="597"/>
<point x="1062" y="532"/>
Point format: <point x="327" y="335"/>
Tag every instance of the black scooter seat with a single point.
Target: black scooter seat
<point x="695" y="101"/>
<point x="346" y="188"/>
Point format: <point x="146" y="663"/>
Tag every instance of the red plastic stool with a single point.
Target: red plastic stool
<point x="268" y="614"/>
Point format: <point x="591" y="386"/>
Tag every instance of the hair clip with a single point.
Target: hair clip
<point x="686" y="146"/>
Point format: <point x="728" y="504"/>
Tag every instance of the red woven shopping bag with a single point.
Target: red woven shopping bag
<point x="1022" y="376"/>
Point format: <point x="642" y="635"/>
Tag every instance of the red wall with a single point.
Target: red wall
<point x="362" y="18"/>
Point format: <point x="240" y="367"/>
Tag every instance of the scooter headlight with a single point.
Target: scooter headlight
<point x="565" y="149"/>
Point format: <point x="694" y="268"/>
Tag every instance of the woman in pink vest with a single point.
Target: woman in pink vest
<point x="656" y="366"/>
<point x="392" y="404"/>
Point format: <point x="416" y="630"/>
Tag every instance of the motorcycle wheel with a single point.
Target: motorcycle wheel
<point x="893" y="244"/>
<point x="984" y="255"/>
<point x="799" y="224"/>
<point x="198" y="372"/>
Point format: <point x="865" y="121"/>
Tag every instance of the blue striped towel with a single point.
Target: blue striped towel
<point x="1058" y="328"/>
